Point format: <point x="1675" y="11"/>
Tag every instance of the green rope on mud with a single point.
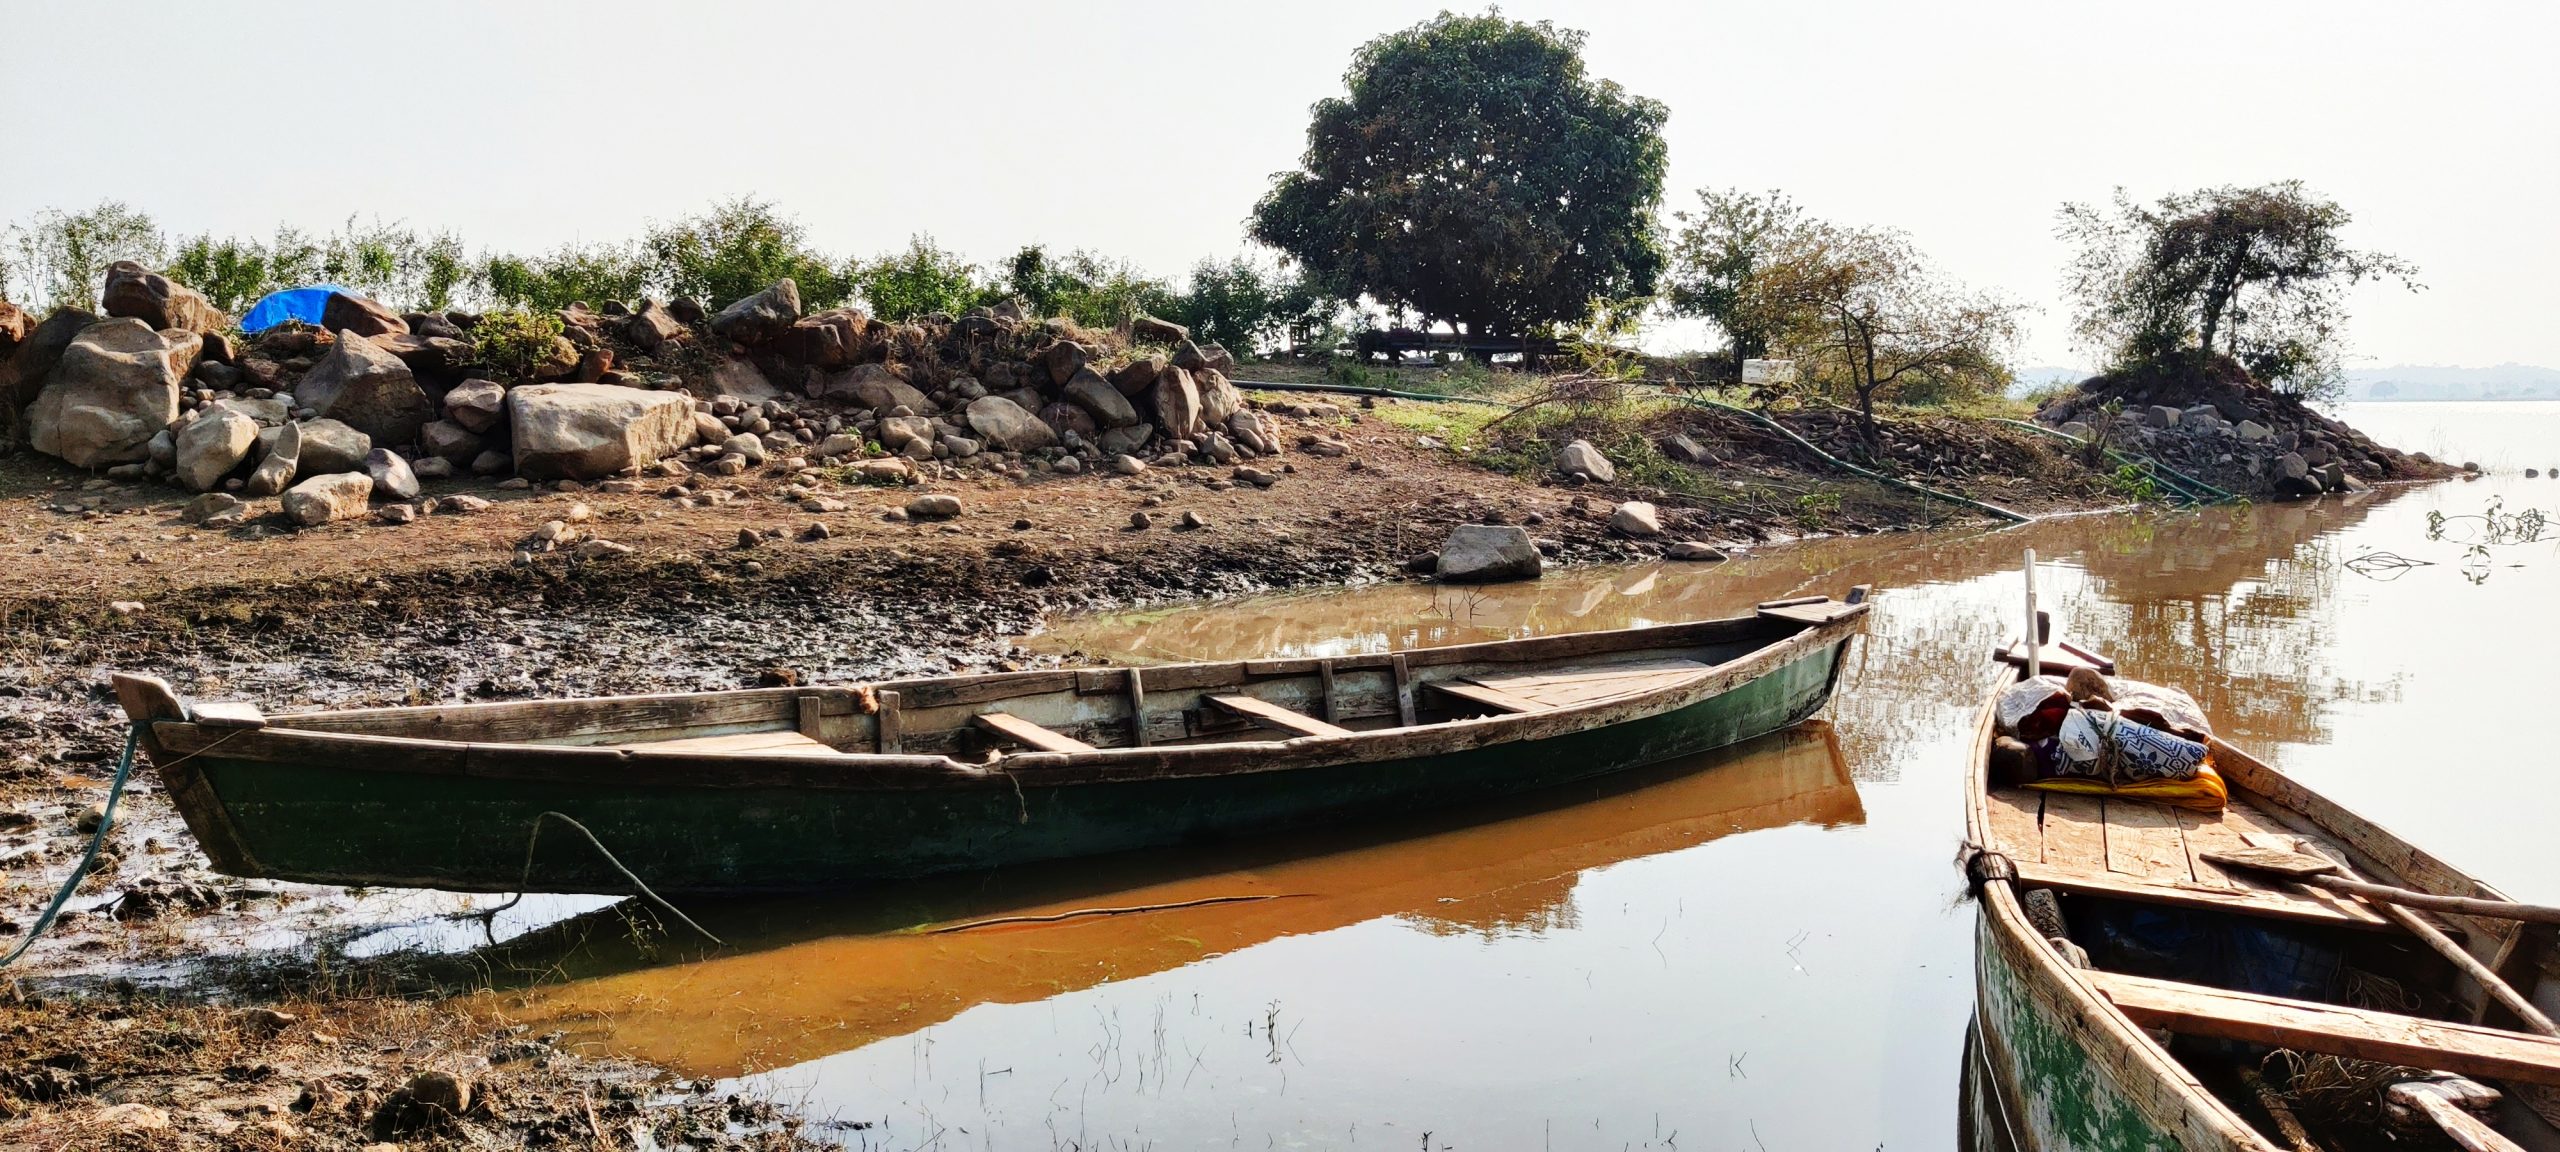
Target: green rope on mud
<point x="1845" y="466"/>
<point x="2194" y="490"/>
<point x="1357" y="390"/>
<point x="97" y="840"/>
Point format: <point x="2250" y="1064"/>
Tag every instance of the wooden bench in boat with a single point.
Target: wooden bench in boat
<point x="1028" y="734"/>
<point x="1542" y="691"/>
<point x="782" y="743"/>
<point x="2197" y="1010"/>
<point x="2143" y="850"/>
<point x="1275" y="717"/>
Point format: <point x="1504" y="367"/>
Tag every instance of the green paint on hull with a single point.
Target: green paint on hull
<point x="2070" y="1099"/>
<point x="326" y="823"/>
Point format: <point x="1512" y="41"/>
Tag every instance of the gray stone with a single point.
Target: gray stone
<point x="206" y="505"/>
<point x="1127" y="465"/>
<point x="1484" y="553"/>
<point x="211" y="445"/>
<point x="651" y="327"/>
<point x="135" y="291"/>
<point x="1071" y="422"/>
<point x="875" y="387"/>
<point x="1110" y="409"/>
<point x="392" y="478"/>
<point x="1581" y="459"/>
<point x="590" y="431"/>
<point x="746" y="446"/>
<point x="897" y="432"/>
<point x="1155" y="331"/>
<point x="960" y="447"/>
<point x="281" y="463"/>
<point x="162" y="450"/>
<point x="1637" y="518"/>
<point x="449" y="442"/>
<point x="269" y="412"/>
<point x="491" y="462"/>
<point x="736" y="377"/>
<point x="1679" y="446"/>
<point x="2160" y="416"/>
<point x="2292" y="466"/>
<point x="1004" y="424"/>
<point x="760" y="317"/>
<point x="476" y="404"/>
<point x="2078" y="430"/>
<point x="1254" y="430"/>
<point x="361" y="315"/>
<point x="933" y="506"/>
<point x="433" y="468"/>
<point x="1695" y="550"/>
<point x="1219" y="400"/>
<point x="366" y="387"/>
<point x="1063" y="360"/>
<point x="1136" y="378"/>
<point x="321" y="499"/>
<point x="1177" y="404"/>
<point x="837" y="444"/>
<point x="332" y="446"/>
<point x="1119" y="441"/>
<point x="114" y="388"/>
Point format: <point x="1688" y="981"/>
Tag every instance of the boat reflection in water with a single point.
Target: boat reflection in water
<point x="795" y="985"/>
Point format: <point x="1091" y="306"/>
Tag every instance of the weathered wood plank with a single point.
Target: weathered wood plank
<point x="1273" y="716"/>
<point x="2142" y="840"/>
<point x="2098" y="882"/>
<point x="1493" y="698"/>
<point x="1138" y="732"/>
<point x="2017" y="824"/>
<point x="1400" y="669"/>
<point x="2196" y="831"/>
<point x="1028" y="734"/>
<point x="764" y="743"/>
<point x="2075" y="831"/>
<point x="889" y="724"/>
<point x="2255" y="829"/>
<point x="2463" y="1049"/>
<point x="985" y="689"/>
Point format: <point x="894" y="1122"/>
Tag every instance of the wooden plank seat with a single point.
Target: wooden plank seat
<point x="2131" y="849"/>
<point x="1592" y="686"/>
<point x="1028" y="734"/>
<point x="1483" y="697"/>
<point x="1820" y="611"/>
<point x="1275" y="717"/>
<point x="779" y="743"/>
<point x="2356" y="1033"/>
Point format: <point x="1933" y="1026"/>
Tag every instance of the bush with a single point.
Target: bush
<point x="513" y="341"/>
<point x="736" y="250"/>
<point x="61" y="259"/>
<point x="566" y="276"/>
<point x="921" y="280"/>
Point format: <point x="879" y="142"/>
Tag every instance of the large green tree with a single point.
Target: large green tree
<point x="1476" y="173"/>
<point x="1718" y="256"/>
<point x="2258" y="275"/>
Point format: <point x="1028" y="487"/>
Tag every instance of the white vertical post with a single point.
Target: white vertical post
<point x="2035" y="665"/>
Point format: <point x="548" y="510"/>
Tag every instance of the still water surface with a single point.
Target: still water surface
<point x="1763" y="948"/>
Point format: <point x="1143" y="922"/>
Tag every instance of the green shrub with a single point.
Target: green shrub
<point x="513" y="341"/>
<point x="566" y="276"/>
<point x="737" y="249"/>
<point x="921" y="280"/>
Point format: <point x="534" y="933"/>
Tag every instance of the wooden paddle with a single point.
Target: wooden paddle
<point x="2448" y="1103"/>
<point x="2312" y="869"/>
<point x="2322" y="872"/>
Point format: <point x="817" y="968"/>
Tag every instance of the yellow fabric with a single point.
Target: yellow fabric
<point x="2206" y="792"/>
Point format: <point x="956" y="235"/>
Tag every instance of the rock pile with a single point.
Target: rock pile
<point x="155" y="389"/>
<point x="2235" y="434"/>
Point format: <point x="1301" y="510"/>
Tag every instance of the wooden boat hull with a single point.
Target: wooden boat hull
<point x="278" y="811"/>
<point x="2044" y="1083"/>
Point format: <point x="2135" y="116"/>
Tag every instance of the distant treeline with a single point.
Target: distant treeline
<point x="728" y="251"/>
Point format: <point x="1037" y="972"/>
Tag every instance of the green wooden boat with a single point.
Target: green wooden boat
<point x="2099" y="1038"/>
<point x="795" y="789"/>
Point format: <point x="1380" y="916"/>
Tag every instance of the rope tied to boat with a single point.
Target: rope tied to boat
<point x="1983" y="865"/>
<point x="525" y="881"/>
<point x="88" y="859"/>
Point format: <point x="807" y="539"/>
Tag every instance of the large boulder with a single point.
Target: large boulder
<point x="1177" y="404"/>
<point x="1062" y="418"/>
<point x="363" y="385"/>
<point x="321" y="499"/>
<point x="23" y="374"/>
<point x="1110" y="409"/>
<point x="135" y="291"/>
<point x="1063" y="360"/>
<point x="115" y="387"/>
<point x="1484" y="553"/>
<point x="875" y="387"/>
<point x="1581" y="459"/>
<point x="1218" y="398"/>
<point x="827" y="339"/>
<point x="651" y="327"/>
<point x="1150" y="329"/>
<point x="330" y="446"/>
<point x="1006" y="426"/>
<point x="450" y="442"/>
<point x="589" y="431"/>
<point x="760" y="317"/>
<point x="345" y="312"/>
<point x="1637" y="518"/>
<point x="213" y="444"/>
<point x="736" y="376"/>
<point x="1137" y="378"/>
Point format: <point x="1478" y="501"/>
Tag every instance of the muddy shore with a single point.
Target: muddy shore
<point x="107" y="577"/>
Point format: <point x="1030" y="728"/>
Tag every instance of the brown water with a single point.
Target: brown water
<point x="1761" y="948"/>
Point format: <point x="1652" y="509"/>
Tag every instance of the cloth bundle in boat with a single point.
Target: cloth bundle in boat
<point x="2135" y="744"/>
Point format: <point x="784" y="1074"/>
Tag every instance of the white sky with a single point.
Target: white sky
<point x="1147" y="130"/>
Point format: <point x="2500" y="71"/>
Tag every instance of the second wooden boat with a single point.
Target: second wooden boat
<point x="790" y="789"/>
<point x="2137" y="990"/>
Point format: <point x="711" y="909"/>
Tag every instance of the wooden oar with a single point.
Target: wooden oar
<point x="2441" y="1102"/>
<point x="2322" y="872"/>
<point x="2308" y="874"/>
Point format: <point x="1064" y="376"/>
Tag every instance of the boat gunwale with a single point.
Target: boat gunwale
<point x="171" y="740"/>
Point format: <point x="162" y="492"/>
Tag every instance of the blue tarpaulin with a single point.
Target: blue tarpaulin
<point x="304" y="304"/>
